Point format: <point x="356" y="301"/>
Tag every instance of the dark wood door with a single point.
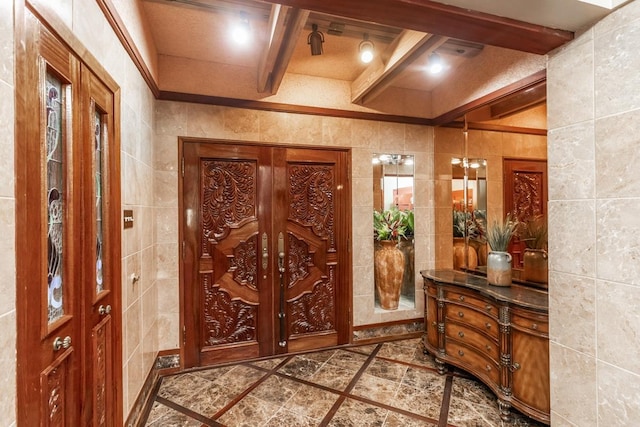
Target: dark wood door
<point x="265" y="251"/>
<point x="68" y="253"/>
<point x="525" y="196"/>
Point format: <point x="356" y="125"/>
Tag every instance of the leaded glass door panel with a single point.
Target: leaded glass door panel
<point x="68" y="250"/>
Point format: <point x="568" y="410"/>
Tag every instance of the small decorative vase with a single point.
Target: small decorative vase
<point x="389" y="273"/>
<point x="499" y="268"/>
<point x="535" y="265"/>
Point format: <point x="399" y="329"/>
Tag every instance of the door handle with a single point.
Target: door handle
<point x="59" y="343"/>
<point x="265" y="251"/>
<point x="102" y="310"/>
<point x="282" y="313"/>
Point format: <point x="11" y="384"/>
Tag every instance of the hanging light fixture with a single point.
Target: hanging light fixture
<point x="435" y="64"/>
<point x="366" y="49"/>
<point x="315" y="40"/>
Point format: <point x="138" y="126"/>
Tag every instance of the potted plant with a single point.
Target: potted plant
<point x="389" y="228"/>
<point x="498" y="259"/>
<point x="534" y="234"/>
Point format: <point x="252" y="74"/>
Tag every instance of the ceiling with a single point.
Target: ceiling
<point x="197" y="30"/>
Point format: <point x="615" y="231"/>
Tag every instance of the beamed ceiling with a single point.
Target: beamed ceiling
<point x="197" y="62"/>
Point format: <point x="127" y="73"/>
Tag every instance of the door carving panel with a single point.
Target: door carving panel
<point x="525" y="196"/>
<point x="265" y="274"/>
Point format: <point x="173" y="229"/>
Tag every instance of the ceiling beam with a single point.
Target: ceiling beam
<point x="285" y="26"/>
<point x="450" y="21"/>
<point x="406" y="48"/>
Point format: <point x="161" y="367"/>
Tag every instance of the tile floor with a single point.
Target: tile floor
<point x="387" y="384"/>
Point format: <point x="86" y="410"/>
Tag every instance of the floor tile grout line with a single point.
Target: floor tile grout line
<point x="350" y="386"/>
<point x="186" y="411"/>
<point x="249" y="389"/>
<point x="446" y="400"/>
<point x="391" y="408"/>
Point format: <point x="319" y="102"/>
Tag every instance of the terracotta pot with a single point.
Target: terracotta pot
<point x="499" y="268"/>
<point x="389" y="273"/>
<point x="458" y="254"/>
<point x="535" y="265"/>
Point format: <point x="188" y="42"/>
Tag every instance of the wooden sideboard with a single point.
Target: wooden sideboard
<point x="498" y="334"/>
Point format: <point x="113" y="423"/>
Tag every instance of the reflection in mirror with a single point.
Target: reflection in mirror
<point x="469" y="198"/>
<point x="393" y="229"/>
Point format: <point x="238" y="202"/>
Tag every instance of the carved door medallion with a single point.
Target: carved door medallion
<point x="265" y="259"/>
<point x="525" y="195"/>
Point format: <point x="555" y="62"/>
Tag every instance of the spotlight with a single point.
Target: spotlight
<point x="366" y="49"/>
<point x="435" y="65"/>
<point x="241" y="32"/>
<point x="315" y="40"/>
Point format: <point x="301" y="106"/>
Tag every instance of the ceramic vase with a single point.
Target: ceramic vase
<point x="499" y="268"/>
<point x="389" y="273"/>
<point x="535" y="265"/>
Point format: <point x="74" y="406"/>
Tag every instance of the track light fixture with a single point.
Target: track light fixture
<point x="366" y="49"/>
<point x="315" y="40"/>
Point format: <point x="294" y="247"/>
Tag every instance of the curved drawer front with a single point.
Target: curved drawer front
<point x="481" y="304"/>
<point x="472" y="317"/>
<point x="484" y="345"/>
<point x="530" y="322"/>
<point x="475" y="362"/>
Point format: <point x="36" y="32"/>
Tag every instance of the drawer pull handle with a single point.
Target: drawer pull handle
<point x="461" y="297"/>
<point x="534" y="326"/>
<point x="515" y="367"/>
<point x="460" y="352"/>
<point x="488" y="368"/>
<point x="461" y="334"/>
<point x="488" y="307"/>
<point x="488" y="325"/>
<point x="488" y="347"/>
<point x="434" y="323"/>
<point x="460" y="314"/>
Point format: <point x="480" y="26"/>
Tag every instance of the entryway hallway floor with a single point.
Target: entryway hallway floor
<point x="391" y="384"/>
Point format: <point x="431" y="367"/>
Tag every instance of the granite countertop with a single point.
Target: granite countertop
<point x="537" y="299"/>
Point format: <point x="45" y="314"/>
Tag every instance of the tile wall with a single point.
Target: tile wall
<point x="363" y="137"/>
<point x="594" y="244"/>
<point x="7" y="219"/>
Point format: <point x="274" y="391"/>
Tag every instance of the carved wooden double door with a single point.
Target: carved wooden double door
<point x="265" y="253"/>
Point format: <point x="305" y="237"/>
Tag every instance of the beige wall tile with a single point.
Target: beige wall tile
<point x="131" y="291"/>
<point x="7" y="256"/>
<point x="572" y="237"/>
<point x="7" y="120"/>
<point x="571" y="162"/>
<point x="573" y="325"/>
<point x="570" y="81"/>
<point x="618" y="396"/>
<point x="573" y="385"/>
<point x="616" y="65"/>
<point x="617" y="150"/>
<point x="618" y="325"/>
<point x="8" y="363"/>
<point x="618" y="241"/>
<point x="132" y="326"/>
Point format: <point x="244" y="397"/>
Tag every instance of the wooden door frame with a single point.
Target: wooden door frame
<point x="345" y="296"/>
<point x="28" y="211"/>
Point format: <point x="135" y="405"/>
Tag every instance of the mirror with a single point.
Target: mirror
<point x="469" y="198"/>
<point x="393" y="230"/>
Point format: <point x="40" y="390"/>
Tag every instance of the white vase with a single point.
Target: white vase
<point x="499" y="268"/>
